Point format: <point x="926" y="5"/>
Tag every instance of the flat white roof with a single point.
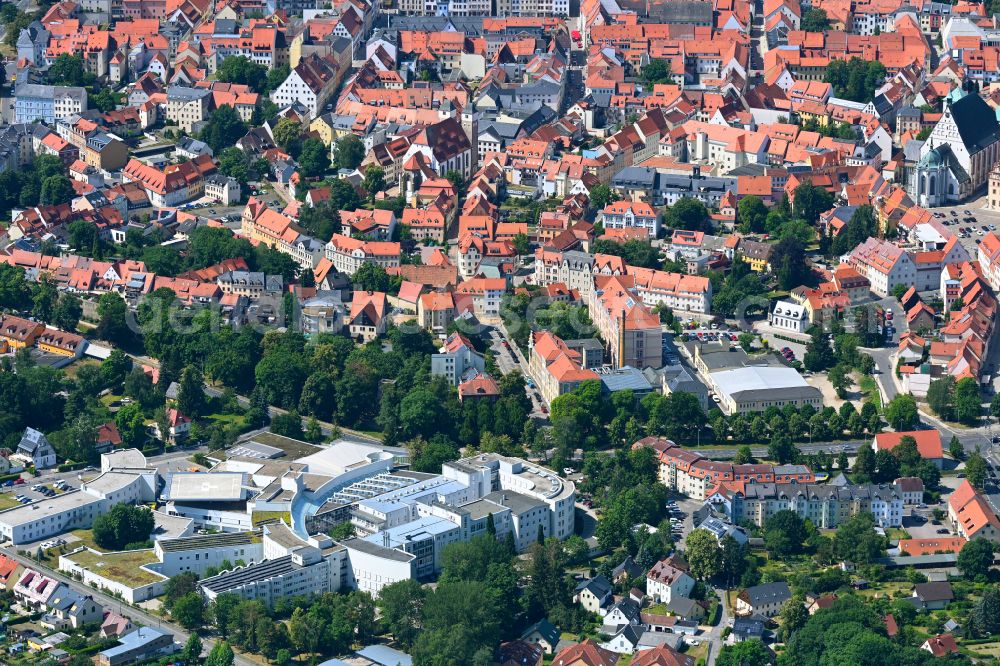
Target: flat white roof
<point x="50" y="506"/>
<point x="342" y="456"/>
<point x="754" y="378"/>
<point x="205" y="487"/>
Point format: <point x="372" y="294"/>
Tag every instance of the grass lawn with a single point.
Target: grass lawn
<point x="698" y="651"/>
<point x="7" y="501"/>
<point x="658" y="609"/>
<point x="106" y="400"/>
<point x="261" y="516"/>
<point x="73" y="368"/>
<point x="120" y="567"/>
<point x="890" y="589"/>
<point x="869" y="388"/>
<point x="86" y="538"/>
<point x="897" y="533"/>
<point x="988" y="650"/>
<point x="225" y="419"/>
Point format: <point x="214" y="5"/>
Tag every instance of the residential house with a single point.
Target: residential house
<point x="765" y="600"/>
<point x="665" y="582"/>
<point x="457" y="360"/>
<point x="115" y="625"/>
<point x="932" y="596"/>
<point x="349" y="254"/>
<point x="631" y="215"/>
<point x="628" y="327"/>
<point x="19" y="333"/>
<point x="594" y="594"/>
<point x="587" y="653"/>
<point x="368" y="317"/>
<point x="941" y="645"/>
<point x="543" y="634"/>
<point x="35" y="102"/>
<point x="747" y="629"/>
<point x="35" y="449"/>
<point x="971" y="514"/>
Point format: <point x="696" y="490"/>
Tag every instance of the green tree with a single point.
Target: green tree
<point x="122" y="525"/>
<point x="840" y="379"/>
<point x="811" y="201"/>
<point x="751" y="214"/>
<point x="68" y="70"/>
<point x="288" y="425"/>
<point x="14" y="291"/>
<point x="941" y="397"/>
<point x="112" y="322"/>
<point x="191" y="654"/>
<point x="976" y="470"/>
<point x="189" y="611"/>
<point x="985" y="614"/>
<point x="856" y="540"/>
<point x="521" y="244"/>
<point x="224" y="128"/>
<point x="220" y="655"/>
<point x="815" y="20"/>
<point x="781" y="449"/>
<point x="703" y="554"/>
<point x="44" y="296"/>
<point x="968" y="401"/>
<point x="975" y="559"/>
<point x="242" y="70"/>
<point x="400" y="605"/>
<point x="314" y="158"/>
<point x="191" y="393"/>
<point x="82" y="234"/>
<point x="744" y="456"/>
<point x="855" y="79"/>
<point x="103" y="101"/>
<point x="131" y="425"/>
<point x="955" y="448"/>
<point x="793" y="616"/>
<point x="656" y="71"/>
<point x="288" y="135"/>
<point x="745" y="653"/>
<point x="784" y="533"/>
<point x="374" y="181"/>
<point x="349" y="153"/>
<point x="788" y="263"/>
<point x="901" y="412"/>
<point x="234" y="163"/>
<point x="318" y="396"/>
<point x="600" y="196"/>
<point x="687" y="213"/>
<point x="57" y="190"/>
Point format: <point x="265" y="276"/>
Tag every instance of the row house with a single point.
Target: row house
<point x="349" y="254"/>
<point x="692" y="474"/>
<point x="686" y="293"/>
<point x="486" y="294"/>
<point x="825" y="506"/>
<point x="262" y="225"/>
